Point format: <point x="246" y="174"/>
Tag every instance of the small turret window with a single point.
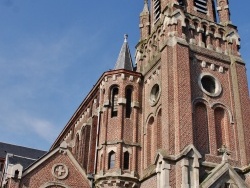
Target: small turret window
<point x="126" y="161"/>
<point x="114" y="102"/>
<point x="16" y="174"/>
<point x="204" y="36"/>
<point x="157" y="10"/>
<point x="128" y="102"/>
<point x="111" y="160"/>
<point x="201" y="6"/>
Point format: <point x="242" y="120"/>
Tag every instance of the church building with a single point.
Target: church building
<point x="179" y="117"/>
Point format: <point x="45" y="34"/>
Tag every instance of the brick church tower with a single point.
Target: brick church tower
<point x="195" y="96"/>
<point x="179" y="118"/>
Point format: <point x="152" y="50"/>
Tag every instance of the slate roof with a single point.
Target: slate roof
<point x="25" y="162"/>
<point x="20" y="151"/>
<point x="124" y="60"/>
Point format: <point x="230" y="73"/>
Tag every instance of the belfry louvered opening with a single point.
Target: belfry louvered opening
<point x="201" y="6"/>
<point x="157" y="10"/>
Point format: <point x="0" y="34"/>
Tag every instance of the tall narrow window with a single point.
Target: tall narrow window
<point x="157" y="10"/>
<point x="128" y="102"/>
<point x="201" y="134"/>
<point x="16" y="174"/>
<point x="114" y="102"/>
<point x="101" y="167"/>
<point x="111" y="160"/>
<point x="201" y="6"/>
<point x="1" y="167"/>
<point x="77" y="147"/>
<point x="204" y="36"/>
<point x="126" y="160"/>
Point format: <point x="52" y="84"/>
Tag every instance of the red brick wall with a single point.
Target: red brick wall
<point x="42" y="174"/>
<point x="152" y="182"/>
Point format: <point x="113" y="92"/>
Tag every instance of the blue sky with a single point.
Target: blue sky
<point x="53" y="51"/>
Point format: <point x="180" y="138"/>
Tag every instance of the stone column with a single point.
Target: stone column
<point x="165" y="175"/>
<point x="184" y="167"/>
<point x="196" y="166"/>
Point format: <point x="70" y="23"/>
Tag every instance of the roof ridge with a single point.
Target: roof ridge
<point x="23" y="146"/>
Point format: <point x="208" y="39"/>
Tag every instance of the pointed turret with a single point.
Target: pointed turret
<point x="124" y="60"/>
<point x="145" y="8"/>
<point x="145" y="21"/>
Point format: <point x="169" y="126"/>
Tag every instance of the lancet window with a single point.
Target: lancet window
<point x="114" y="102"/>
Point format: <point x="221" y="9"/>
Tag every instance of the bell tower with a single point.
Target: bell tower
<point x="195" y="93"/>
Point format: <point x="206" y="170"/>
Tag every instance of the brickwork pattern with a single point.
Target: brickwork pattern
<point x="151" y="181"/>
<point x="42" y="174"/>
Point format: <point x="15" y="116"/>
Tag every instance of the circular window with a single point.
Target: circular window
<point x="210" y="84"/>
<point x="154" y="94"/>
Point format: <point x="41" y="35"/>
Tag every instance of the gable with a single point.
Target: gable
<point x="57" y="169"/>
<point x="222" y="176"/>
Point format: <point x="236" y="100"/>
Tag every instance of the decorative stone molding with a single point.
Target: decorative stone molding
<point x="60" y="171"/>
<point x="163" y="173"/>
<point x="12" y="169"/>
<point x="54" y="183"/>
<point x="188" y="158"/>
<point x="122" y="101"/>
<point x="221" y="174"/>
<point x="155" y="94"/>
<point x="203" y="64"/>
<point x="128" y="149"/>
<point x="212" y="67"/>
<point x="221" y="69"/>
<point x="106" y="103"/>
<point x="202" y="82"/>
<point x="109" y="149"/>
<point x="135" y="104"/>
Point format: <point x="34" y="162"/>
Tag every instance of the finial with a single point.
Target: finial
<point x="145" y="8"/>
<point x="225" y="153"/>
<point x="126" y="38"/>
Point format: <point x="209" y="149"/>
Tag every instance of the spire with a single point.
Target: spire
<point x="145" y="8"/>
<point x="124" y="60"/>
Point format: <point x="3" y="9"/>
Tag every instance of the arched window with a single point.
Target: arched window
<point x="111" y="160"/>
<point x="204" y="36"/>
<point x="126" y="160"/>
<point x="114" y="102"/>
<point x="16" y="174"/>
<point x="128" y="102"/>
<point x="201" y="134"/>
<point x="224" y="132"/>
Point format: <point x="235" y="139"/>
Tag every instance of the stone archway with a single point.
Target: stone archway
<point x="54" y="185"/>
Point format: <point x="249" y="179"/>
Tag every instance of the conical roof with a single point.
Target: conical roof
<point x="145" y="8"/>
<point x="124" y="60"/>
